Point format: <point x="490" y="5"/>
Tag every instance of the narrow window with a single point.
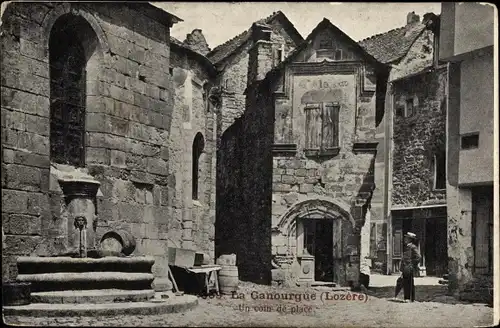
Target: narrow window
<point x="198" y="146"/>
<point x="338" y="54"/>
<point x="409" y="107"/>
<point x="72" y="43"/>
<point x="470" y="141"/>
<point x="279" y="56"/>
<point x="440" y="170"/>
<point x="400" y="111"/>
<point x="325" y="44"/>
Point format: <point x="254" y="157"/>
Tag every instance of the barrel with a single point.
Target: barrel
<point x="16" y="293"/>
<point x="227" y="259"/>
<point x="228" y="279"/>
<point x="111" y="239"/>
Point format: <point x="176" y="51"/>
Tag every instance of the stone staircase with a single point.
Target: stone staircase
<point x="65" y="286"/>
<point x="57" y="275"/>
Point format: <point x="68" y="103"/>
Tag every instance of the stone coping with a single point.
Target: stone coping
<point x="77" y="260"/>
<point x="153" y="307"/>
<point x="85" y="276"/>
<point x="92" y="296"/>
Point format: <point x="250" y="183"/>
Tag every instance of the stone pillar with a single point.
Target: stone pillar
<point x="80" y="196"/>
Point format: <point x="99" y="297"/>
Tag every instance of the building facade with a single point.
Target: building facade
<point x="98" y="103"/>
<point x="308" y="159"/>
<point x="321" y="107"/>
<point x="467" y="47"/>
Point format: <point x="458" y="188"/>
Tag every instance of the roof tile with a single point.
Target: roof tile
<point x="392" y="45"/>
<point x="227" y="48"/>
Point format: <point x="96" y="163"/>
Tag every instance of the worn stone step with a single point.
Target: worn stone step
<point x="87" y="280"/>
<point x="34" y="265"/>
<point x="151" y="307"/>
<point x="92" y="296"/>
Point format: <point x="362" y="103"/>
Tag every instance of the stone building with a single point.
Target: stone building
<point x="306" y="156"/>
<point x="467" y="46"/>
<point x="410" y="168"/>
<point x="231" y="60"/>
<point x="309" y="125"/>
<point x="88" y="94"/>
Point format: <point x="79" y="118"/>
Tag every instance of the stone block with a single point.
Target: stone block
<point x="25" y="158"/>
<point x="38" y="204"/>
<point x="187" y="234"/>
<point x="288" y="179"/>
<point x="281" y="187"/>
<point x="33" y="142"/>
<point x="22" y="177"/>
<point x="32" y="49"/>
<point x="306" y="188"/>
<point x="13" y="119"/>
<point x="118" y="158"/>
<point x="97" y="156"/>
<point x="131" y="213"/>
<point x="20" y="224"/>
<point x="157" y="166"/>
<point x="20" y="245"/>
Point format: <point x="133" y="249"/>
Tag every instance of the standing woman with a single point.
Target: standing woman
<point x="411" y="259"/>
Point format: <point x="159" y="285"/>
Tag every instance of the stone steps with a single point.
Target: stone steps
<point x="152" y="307"/>
<point x="59" y="281"/>
<point x="67" y="273"/>
<point x="35" y="265"/>
<point x="93" y="296"/>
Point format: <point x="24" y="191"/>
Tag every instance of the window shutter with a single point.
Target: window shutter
<point x="330" y="125"/>
<point x="313" y="126"/>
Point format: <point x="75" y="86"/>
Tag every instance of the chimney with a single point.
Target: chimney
<point x="260" y="59"/>
<point x="412" y="18"/>
<point x="196" y="41"/>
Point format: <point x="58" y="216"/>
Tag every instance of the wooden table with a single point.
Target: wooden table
<point x="208" y="271"/>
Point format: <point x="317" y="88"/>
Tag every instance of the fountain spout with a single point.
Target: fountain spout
<point x="80" y="199"/>
<point x="81" y="224"/>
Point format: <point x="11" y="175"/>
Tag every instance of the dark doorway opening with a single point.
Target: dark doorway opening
<point x="319" y="243"/>
<point x="436" y="253"/>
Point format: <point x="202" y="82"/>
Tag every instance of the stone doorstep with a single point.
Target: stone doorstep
<point x="170" y="305"/>
<point x="94" y="296"/>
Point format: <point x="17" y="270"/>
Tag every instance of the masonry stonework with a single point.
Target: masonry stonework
<point x="418" y="138"/>
<point x="129" y="108"/>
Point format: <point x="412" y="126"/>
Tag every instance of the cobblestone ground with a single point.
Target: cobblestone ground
<point x="332" y="310"/>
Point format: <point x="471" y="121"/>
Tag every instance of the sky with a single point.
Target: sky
<point x="221" y="21"/>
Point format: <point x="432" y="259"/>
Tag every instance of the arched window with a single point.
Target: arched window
<point x="72" y="45"/>
<point x="198" y="146"/>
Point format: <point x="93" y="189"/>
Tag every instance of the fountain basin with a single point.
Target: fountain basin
<point x="68" y="273"/>
<point x="37" y="265"/>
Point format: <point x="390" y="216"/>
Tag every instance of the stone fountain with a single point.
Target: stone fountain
<point x="86" y="279"/>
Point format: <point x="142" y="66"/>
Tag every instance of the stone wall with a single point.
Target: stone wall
<point x="334" y="184"/>
<point x="417" y="138"/>
<point x="242" y="157"/>
<point x="193" y="117"/>
<point x="129" y="105"/>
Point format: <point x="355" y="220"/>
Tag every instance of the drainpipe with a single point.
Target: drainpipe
<point x="388" y="137"/>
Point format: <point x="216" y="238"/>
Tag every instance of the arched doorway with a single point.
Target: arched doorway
<point x="319" y="235"/>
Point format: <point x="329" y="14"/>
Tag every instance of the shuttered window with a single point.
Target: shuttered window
<point x="322" y="126"/>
